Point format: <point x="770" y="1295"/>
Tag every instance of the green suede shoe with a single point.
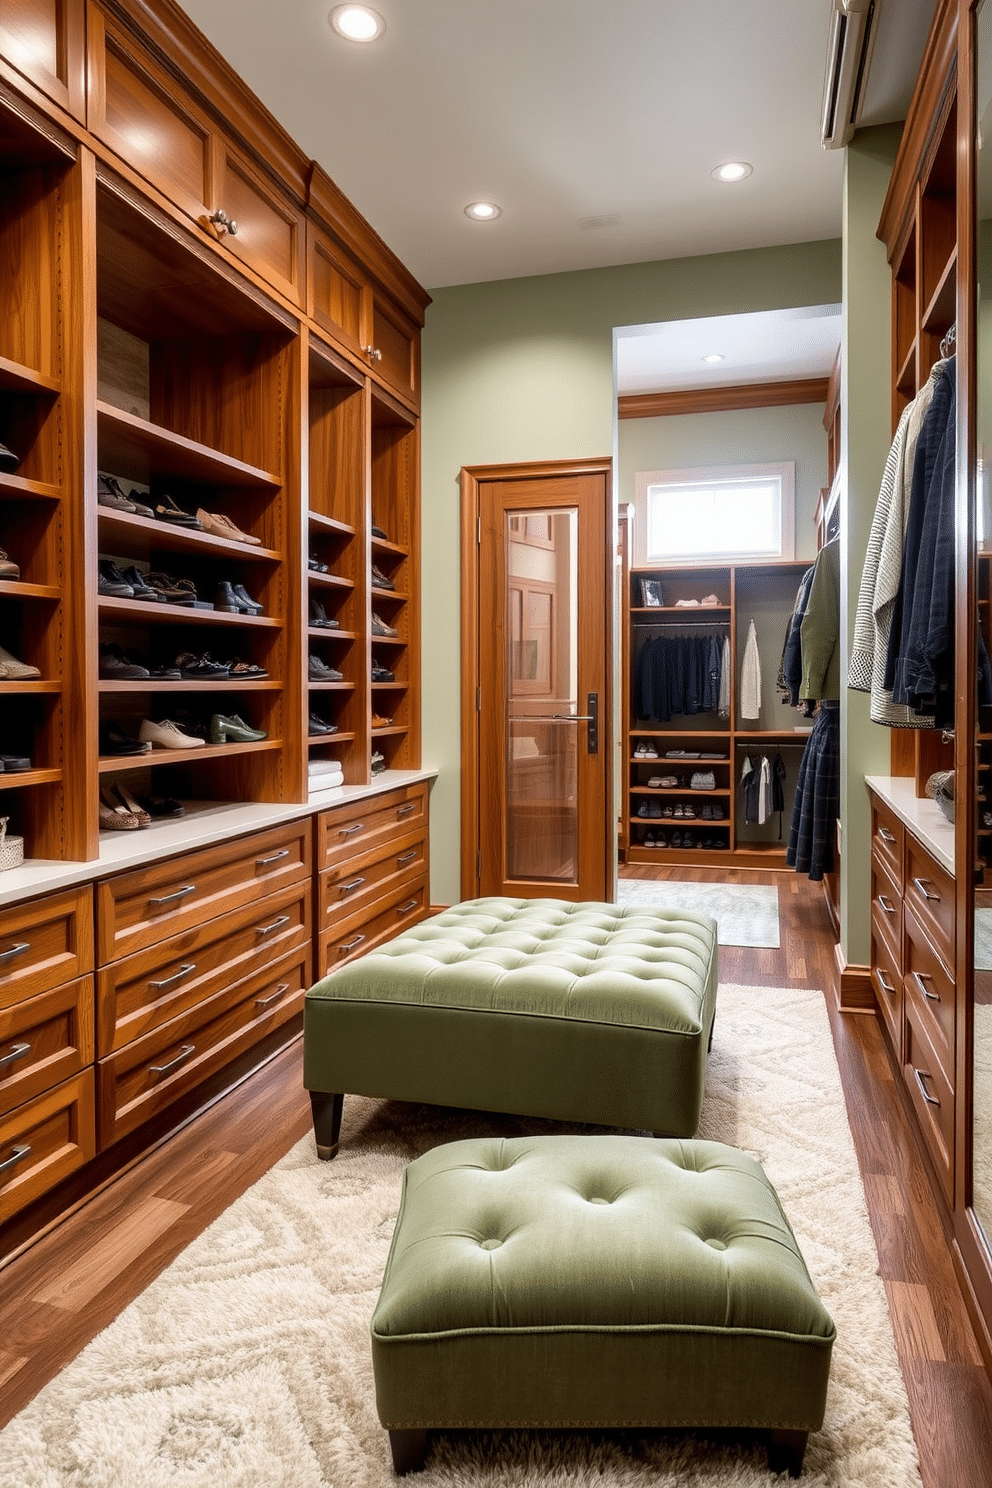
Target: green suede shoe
<point x="224" y="730"/>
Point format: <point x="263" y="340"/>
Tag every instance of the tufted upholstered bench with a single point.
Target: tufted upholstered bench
<point x="596" y="1281"/>
<point x="538" y="1007"/>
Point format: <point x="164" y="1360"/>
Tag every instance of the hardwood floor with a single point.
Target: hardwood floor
<point x="61" y="1291"/>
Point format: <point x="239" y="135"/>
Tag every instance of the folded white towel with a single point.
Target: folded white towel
<point x="324" y="767"/>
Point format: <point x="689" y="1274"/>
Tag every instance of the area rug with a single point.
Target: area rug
<point x="746" y="914"/>
<point x="983" y="939"/>
<point x="246" y="1364"/>
<point x="982" y="1118"/>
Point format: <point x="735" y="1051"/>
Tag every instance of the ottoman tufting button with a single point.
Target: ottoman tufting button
<point x="599" y="1201"/>
<point x="717" y="1244"/>
<point x="491" y="1244"/>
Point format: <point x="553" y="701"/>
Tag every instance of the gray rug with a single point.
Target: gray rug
<point x="983" y="939"/>
<point x="746" y="914"/>
<point x="247" y="1364"/>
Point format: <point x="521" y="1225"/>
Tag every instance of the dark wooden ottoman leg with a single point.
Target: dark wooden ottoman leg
<point x="326" y="1110"/>
<point x="786" y="1450"/>
<point x="409" y="1448"/>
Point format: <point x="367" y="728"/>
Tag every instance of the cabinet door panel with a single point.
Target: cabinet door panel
<point x="339" y="297"/>
<point x="45" y="41"/>
<point x="269" y="234"/>
<point x="396" y="341"/>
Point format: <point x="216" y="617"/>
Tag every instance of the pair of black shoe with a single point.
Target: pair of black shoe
<point x="315" y="565"/>
<point x="14" y="764"/>
<point x="319" y="619"/>
<point x="8" y="460"/>
<point x="319" y="671"/>
<point x="126" y="583"/>
<point x="382" y="674"/>
<point x="110" y="492"/>
<point x="115" y="740"/>
<point x="234" y="599"/>
<point x="117" y="666"/>
<point x="168" y="511"/>
<point x="317" y="726"/>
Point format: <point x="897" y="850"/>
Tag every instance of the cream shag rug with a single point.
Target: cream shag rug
<point x="982" y="1118"/>
<point x="746" y="914"/>
<point x="247" y="1363"/>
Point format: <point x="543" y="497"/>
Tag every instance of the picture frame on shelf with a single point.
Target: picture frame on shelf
<point x="652" y="596"/>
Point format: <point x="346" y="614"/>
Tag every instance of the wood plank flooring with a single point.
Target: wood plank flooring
<point x="60" y="1292"/>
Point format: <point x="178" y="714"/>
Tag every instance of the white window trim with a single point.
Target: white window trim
<point x="786" y="473"/>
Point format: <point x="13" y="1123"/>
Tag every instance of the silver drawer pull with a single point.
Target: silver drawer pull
<point x="264" y="1002"/>
<point x="920" y="977"/>
<point x="921" y="884"/>
<point x="922" y="1075"/>
<point x="272" y="858"/>
<point x="350" y="945"/>
<point x="18" y="1155"/>
<point x="886" y="986"/>
<point x="407" y="857"/>
<point x="356" y="883"/>
<point x="886" y="904"/>
<point x="181" y="1057"/>
<point x="405" y="810"/>
<point x="15" y="950"/>
<point x="17" y="1051"/>
<point x="276" y="925"/>
<point x="169" y="898"/>
<point x="183" y="971"/>
<point x="406" y="908"/>
<point x="350" y="831"/>
<point x="886" y="835"/>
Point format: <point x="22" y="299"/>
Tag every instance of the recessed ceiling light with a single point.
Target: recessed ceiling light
<point x="357" y="22"/>
<point x="482" y="211"/>
<point x="714" y="356"/>
<point x="734" y="170"/>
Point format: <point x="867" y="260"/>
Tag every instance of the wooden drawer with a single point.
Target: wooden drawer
<point x="930" y="990"/>
<point x="45" y="943"/>
<point x="932" y="1097"/>
<point x="46" y="41"/>
<point x="929" y="893"/>
<point x="153" y="1071"/>
<point x="887" y="903"/>
<point x="349" y="886"/>
<point x="155" y="985"/>
<point x="44" y="1040"/>
<point x="347" y="831"/>
<point x="381" y="920"/>
<point x="44" y="1140"/>
<point x="887" y="837"/>
<point x="886" y="978"/>
<point x="148" y="906"/>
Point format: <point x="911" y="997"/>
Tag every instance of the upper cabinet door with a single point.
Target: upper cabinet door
<point x="340" y="297"/>
<point x="46" y="41"/>
<point x="394" y="354"/>
<point x="256" y="221"/>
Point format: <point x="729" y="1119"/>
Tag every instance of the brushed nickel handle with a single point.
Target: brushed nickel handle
<point x="355" y="883"/>
<point x="886" y="904"/>
<point x="886" y="835"/>
<point x="921" y="884"/>
<point x="18" y="1155"/>
<point x="184" y="971"/>
<point x="223" y="223"/>
<point x="17" y="1051"/>
<point x="15" y="950"/>
<point x="407" y="857"/>
<point x="264" y="1002"/>
<point x="886" y="986"/>
<point x="272" y="858"/>
<point x="922" y="1075"/>
<point x="373" y="353"/>
<point x="351" y="944"/>
<point x="920" y="977"/>
<point x="181" y="1057"/>
<point x="350" y="831"/>
<point x="168" y="898"/>
<point x="276" y="925"/>
<point x="405" y="810"/>
<point x="406" y="908"/>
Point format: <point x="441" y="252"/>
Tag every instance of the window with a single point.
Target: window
<point x="732" y="514"/>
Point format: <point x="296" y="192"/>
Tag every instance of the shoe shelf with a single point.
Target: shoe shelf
<point x="324" y="633"/>
<point x="340" y="736"/>
<point x="20" y="485"/>
<point x="43" y="685"/>
<point x="140" y="685"/>
<point x="16" y="378"/>
<point x="329" y="581"/>
<point x="383" y="547"/>
<point x="135" y="537"/>
<point x="131" y="762"/>
<point x="331" y="687"/>
<point x="151" y="612"/>
<point x="17" y="778"/>
<point x="329" y="526"/>
<point x="143" y="449"/>
<point x="18" y="589"/>
<point x="397" y="642"/>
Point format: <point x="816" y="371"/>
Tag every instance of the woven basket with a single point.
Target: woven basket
<point x="11" y="848"/>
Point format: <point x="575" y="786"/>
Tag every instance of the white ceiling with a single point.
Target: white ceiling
<point x="564" y="111"/>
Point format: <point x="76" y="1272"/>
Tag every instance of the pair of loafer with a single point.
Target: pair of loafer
<point x="110" y="493"/>
<point x="220" y="526"/>
<point x="225" y="730"/>
<point x="167" y="510"/>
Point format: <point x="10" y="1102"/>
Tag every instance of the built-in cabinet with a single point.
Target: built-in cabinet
<point x="192" y="309"/>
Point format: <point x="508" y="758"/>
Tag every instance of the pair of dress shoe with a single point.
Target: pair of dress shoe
<point x="116" y="666"/>
<point x="203" y="668"/>
<point x="225" y="730"/>
<point x="381" y="673"/>
<point x="378" y="762"/>
<point x="317" y="726"/>
<point x="165" y="734"/>
<point x="8" y="460"/>
<point x="8" y="568"/>
<point x="14" y="764"/>
<point x="319" y="671"/>
<point x="166" y="510"/>
<point x="379" y="626"/>
<point x="177" y="591"/>
<point x="12" y="670"/>
<point x="379" y="579"/>
<point x="218" y="525"/>
<point x="110" y="493"/>
<point x="234" y="599"/>
<point x="315" y="565"/>
<point x="378" y="532"/>
<point x="319" y="618"/>
<point x="114" y="741"/>
<point x="119" y="811"/>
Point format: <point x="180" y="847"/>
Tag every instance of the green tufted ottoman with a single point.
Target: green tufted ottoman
<point x="539" y="1007"/>
<point x="596" y="1281"/>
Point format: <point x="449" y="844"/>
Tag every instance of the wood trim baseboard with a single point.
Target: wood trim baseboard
<point x="852" y="987"/>
<point x="723" y="399"/>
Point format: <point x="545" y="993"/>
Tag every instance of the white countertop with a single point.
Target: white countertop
<point x="204" y="823"/>
<point x="919" y="815"/>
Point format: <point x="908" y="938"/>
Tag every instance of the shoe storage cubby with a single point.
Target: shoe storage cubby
<point x="684" y="800"/>
<point x="395" y="543"/>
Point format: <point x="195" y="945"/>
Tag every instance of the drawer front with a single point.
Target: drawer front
<point x="45" y="943"/>
<point x="44" y="1041"/>
<point x="930" y="990"/>
<point x="153" y="986"/>
<point x="886" y="978"/>
<point x="347" y="831"/>
<point x="932" y="1097"/>
<point x="270" y="231"/>
<point x="887" y="904"/>
<point x="148" y="906"/>
<point x="339" y="297"/>
<point x="45" y="1140"/>
<point x="153" y="1071"/>
<point x="887" y="837"/>
<point x="930" y="895"/>
<point x="381" y="921"/>
<point x="350" y="886"/>
<point x="45" y="41"/>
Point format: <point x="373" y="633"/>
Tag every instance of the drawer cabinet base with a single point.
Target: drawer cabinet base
<point x="44" y="1141"/>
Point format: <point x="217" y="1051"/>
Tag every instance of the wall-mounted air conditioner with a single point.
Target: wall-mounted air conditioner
<point x="852" y="36"/>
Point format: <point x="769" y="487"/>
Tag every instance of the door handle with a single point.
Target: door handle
<point x="552" y="718"/>
<point x="592" y="732"/>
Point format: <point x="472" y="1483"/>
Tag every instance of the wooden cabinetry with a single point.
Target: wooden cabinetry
<point x="44" y="40"/>
<point x="715" y="830"/>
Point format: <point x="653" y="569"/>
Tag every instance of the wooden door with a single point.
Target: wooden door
<point x="539" y="819"/>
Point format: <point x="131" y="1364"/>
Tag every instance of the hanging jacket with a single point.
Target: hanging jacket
<point x="820" y="629"/>
<point x="750" y="704"/>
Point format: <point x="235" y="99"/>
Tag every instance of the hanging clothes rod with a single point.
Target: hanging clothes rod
<point x="681" y="624"/>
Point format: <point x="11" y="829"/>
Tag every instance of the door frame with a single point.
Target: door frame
<point x="470" y="480"/>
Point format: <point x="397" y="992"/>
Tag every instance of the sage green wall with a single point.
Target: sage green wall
<point x="742" y="436"/>
<point x="522" y="369"/>
<point x="866" y="436"/>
